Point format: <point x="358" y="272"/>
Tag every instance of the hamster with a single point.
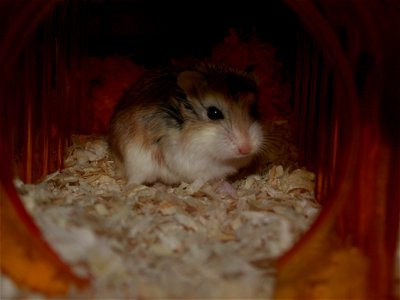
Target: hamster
<point x="179" y="124"/>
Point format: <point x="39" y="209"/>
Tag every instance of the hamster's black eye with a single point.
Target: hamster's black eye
<point x="214" y="113"/>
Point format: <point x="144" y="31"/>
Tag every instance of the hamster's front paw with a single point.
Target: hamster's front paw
<point x="225" y="188"/>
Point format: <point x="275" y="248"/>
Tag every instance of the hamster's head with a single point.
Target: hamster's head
<point x="220" y="112"/>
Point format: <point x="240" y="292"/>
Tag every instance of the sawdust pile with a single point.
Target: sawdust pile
<point x="168" y="242"/>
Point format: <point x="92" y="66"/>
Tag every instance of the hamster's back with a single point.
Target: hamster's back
<point x="155" y="86"/>
<point x="141" y="109"/>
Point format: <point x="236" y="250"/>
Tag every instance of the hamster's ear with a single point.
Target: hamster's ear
<point x="191" y="82"/>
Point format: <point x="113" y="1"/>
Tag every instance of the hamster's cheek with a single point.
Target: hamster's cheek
<point x="256" y="136"/>
<point x="217" y="143"/>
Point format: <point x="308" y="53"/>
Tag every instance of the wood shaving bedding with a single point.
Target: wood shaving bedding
<point x="168" y="242"/>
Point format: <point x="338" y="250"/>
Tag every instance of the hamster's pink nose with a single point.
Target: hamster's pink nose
<point x="244" y="148"/>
